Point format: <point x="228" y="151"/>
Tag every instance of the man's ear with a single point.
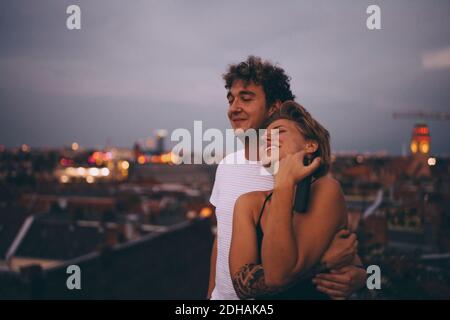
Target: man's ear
<point x="311" y="146"/>
<point x="274" y="107"/>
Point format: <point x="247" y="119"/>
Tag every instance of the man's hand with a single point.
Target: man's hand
<point x="341" y="251"/>
<point x="341" y="283"/>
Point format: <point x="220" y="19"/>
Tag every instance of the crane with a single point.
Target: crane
<point x="422" y="115"/>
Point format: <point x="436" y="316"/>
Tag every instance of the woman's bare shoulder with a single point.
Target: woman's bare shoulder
<point x="327" y="191"/>
<point x="327" y="184"/>
<point x="253" y="197"/>
<point x="251" y="202"/>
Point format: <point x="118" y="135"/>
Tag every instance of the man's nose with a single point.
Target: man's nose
<point x="235" y="106"/>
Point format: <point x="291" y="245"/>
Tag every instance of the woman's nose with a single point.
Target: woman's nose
<point x="266" y="137"/>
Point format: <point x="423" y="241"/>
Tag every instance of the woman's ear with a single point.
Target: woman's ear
<point x="311" y="146"/>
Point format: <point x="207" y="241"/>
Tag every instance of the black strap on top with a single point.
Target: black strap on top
<point x="262" y="209"/>
<point x="259" y="232"/>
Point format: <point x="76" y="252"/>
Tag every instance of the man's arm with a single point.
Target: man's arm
<point x="345" y="273"/>
<point x="342" y="250"/>
<point x="343" y="282"/>
<point x="212" y="269"/>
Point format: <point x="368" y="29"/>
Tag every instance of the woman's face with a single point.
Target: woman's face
<point x="290" y="141"/>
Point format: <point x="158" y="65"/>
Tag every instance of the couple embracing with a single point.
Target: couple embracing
<point x="263" y="248"/>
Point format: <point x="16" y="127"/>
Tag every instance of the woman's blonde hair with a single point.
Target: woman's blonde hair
<point x="311" y="130"/>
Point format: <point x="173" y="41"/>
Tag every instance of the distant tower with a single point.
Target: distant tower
<point x="420" y="139"/>
<point x="136" y="151"/>
<point x="160" y="137"/>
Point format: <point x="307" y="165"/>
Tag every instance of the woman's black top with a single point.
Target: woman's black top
<point x="303" y="289"/>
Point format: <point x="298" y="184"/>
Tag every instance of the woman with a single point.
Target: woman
<point x="274" y="251"/>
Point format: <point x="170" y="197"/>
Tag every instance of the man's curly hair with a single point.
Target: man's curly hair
<point x="273" y="79"/>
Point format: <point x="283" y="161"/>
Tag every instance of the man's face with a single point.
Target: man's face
<point x="247" y="105"/>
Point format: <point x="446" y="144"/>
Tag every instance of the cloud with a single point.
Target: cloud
<point x="436" y="59"/>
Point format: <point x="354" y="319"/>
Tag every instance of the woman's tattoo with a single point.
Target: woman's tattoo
<point x="249" y="282"/>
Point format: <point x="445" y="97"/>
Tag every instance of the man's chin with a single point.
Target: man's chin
<point x="240" y="129"/>
<point x="242" y="125"/>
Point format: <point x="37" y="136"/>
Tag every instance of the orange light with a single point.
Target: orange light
<point x="125" y="165"/>
<point x="414" y="147"/>
<point x="141" y="159"/>
<point x="424" y="147"/>
<point x="206" y="212"/>
<point x="166" y="158"/>
<point x="155" y="159"/>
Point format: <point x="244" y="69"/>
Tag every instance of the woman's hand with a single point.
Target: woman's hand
<point x="291" y="169"/>
<point x="341" y="251"/>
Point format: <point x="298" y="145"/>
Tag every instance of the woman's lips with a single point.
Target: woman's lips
<point x="270" y="148"/>
<point x="268" y="156"/>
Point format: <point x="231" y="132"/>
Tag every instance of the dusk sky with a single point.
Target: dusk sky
<point x="137" y="66"/>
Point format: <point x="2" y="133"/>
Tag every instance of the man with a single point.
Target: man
<point x="256" y="89"/>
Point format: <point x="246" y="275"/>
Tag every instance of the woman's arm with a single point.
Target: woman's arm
<point x="290" y="249"/>
<point x="243" y="248"/>
<point x="247" y="275"/>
